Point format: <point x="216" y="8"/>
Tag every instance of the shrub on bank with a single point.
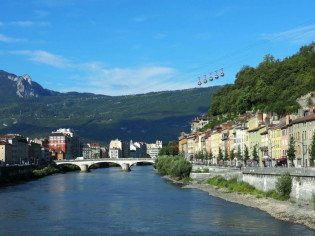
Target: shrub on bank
<point x="232" y="185"/>
<point x="241" y="187"/>
<point x="48" y="170"/>
<point x="175" y="166"/>
<point x="284" y="185"/>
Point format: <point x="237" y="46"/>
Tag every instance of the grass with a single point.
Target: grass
<point x="244" y="188"/>
<point x="205" y="170"/>
<point x="187" y="179"/>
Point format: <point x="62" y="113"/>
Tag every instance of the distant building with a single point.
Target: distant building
<point x="104" y="152"/>
<point x="121" y="145"/>
<point x="200" y="122"/>
<point x="20" y="148"/>
<point x="66" y="141"/>
<point x="153" y="149"/>
<point x="138" y="150"/>
<point x="115" y="153"/>
<point x="92" y="151"/>
<point x="5" y="153"/>
<point x="34" y="152"/>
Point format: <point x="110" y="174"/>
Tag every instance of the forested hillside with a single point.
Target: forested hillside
<point x="273" y="86"/>
<point x="100" y="118"/>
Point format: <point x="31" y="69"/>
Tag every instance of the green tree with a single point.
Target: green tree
<point x="239" y="153"/>
<point x="232" y="155"/>
<point x="210" y="156"/>
<point x="220" y="156"/>
<point x="291" y="151"/>
<point x="246" y="154"/>
<point x="312" y="154"/>
<point x="255" y="154"/>
<point x="170" y="150"/>
<point x="284" y="185"/>
<point x="226" y="155"/>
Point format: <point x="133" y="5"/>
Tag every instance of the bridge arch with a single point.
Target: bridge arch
<point x="125" y="163"/>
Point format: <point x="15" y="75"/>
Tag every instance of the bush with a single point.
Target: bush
<point x="49" y="170"/>
<point x="205" y="170"/>
<point x="241" y="187"/>
<point x="175" y="166"/>
<point x="187" y="179"/>
<point x="284" y="185"/>
<point x="198" y="171"/>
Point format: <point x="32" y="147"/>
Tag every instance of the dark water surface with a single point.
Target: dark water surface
<point x="111" y="202"/>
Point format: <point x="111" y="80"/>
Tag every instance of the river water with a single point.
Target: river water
<point x="111" y="202"/>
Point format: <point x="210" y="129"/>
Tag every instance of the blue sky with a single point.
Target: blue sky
<point x="120" y="47"/>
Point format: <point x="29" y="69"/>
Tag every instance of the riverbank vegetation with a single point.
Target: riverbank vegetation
<point x="52" y="169"/>
<point x="233" y="185"/>
<point x="175" y="166"/>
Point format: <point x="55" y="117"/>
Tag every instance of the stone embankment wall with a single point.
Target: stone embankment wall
<point x="303" y="179"/>
<point x="226" y="172"/>
<point x="14" y="173"/>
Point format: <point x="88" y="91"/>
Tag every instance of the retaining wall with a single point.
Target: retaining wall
<point x="13" y="173"/>
<point x="303" y="179"/>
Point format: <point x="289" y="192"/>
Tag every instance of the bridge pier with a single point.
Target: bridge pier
<point x="125" y="167"/>
<point x="84" y="168"/>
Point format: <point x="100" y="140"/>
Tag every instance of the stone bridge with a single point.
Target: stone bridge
<point x="125" y="163"/>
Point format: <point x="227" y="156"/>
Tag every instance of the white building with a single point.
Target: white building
<point x="115" y="153"/>
<point x="153" y="149"/>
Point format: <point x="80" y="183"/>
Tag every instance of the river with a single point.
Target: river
<point x="111" y="202"/>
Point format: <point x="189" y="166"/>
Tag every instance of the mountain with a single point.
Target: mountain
<point x="22" y="86"/>
<point x="273" y="86"/>
<point x="29" y="109"/>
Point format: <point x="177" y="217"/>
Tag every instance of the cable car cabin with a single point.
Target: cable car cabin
<point x="211" y="78"/>
<point x="216" y="76"/>
<point x="205" y="81"/>
<point x="222" y="74"/>
<point x="199" y="83"/>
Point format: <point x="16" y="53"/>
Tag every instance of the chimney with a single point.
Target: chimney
<point x="287" y="119"/>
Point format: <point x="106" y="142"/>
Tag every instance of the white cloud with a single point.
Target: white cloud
<point x="139" y="19"/>
<point x="131" y="78"/>
<point x="6" y="39"/>
<point x="28" y="23"/>
<point x="123" y="81"/>
<point x="298" y="35"/>
<point x="97" y="77"/>
<point x="44" y="57"/>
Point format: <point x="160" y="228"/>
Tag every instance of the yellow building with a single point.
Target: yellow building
<point x="182" y="143"/>
<point x="275" y="140"/>
<point x="215" y="145"/>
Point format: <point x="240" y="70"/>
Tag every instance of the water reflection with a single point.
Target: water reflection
<point x="109" y="201"/>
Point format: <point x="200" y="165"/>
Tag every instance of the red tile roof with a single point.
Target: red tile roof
<point x="304" y="119"/>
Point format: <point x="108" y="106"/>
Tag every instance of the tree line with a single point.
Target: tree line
<point x="273" y="86"/>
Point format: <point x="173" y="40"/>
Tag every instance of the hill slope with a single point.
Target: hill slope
<point x="273" y="86"/>
<point x="147" y="117"/>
